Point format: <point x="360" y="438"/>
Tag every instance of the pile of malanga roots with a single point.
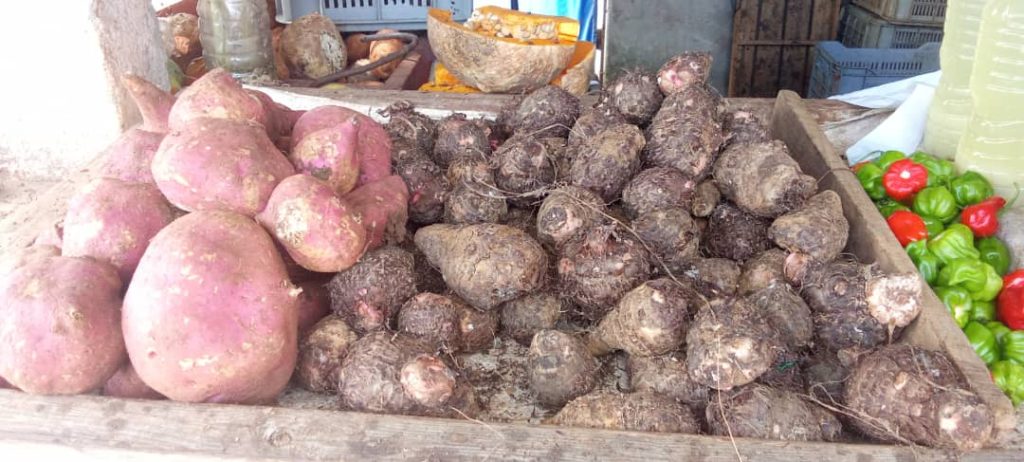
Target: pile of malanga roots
<point x="652" y="263"/>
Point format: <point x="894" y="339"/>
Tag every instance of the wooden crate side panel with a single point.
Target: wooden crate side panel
<point x="871" y="241"/>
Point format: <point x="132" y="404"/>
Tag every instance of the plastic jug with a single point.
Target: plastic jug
<point x="951" y="106"/>
<point x="236" y="36"/>
<point x="993" y="143"/>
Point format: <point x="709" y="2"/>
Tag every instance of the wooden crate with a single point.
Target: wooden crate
<point x="99" y="427"/>
<point x="772" y="44"/>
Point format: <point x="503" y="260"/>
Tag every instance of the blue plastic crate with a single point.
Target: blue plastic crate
<point x="838" y="69"/>
<point x="372" y="15"/>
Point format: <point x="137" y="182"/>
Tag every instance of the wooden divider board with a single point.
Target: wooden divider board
<point x="101" y="428"/>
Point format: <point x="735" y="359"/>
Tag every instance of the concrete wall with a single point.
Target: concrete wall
<point x="62" y="101"/>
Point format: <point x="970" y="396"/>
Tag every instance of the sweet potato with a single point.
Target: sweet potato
<point x="369" y="294"/>
<point x="684" y="70"/>
<point x="315" y="227"/>
<point x="474" y="203"/>
<point x="525" y="316"/>
<point x="126" y="383"/>
<point x="404" y="122"/>
<point x="314" y="303"/>
<point x="61" y="322"/>
<point x="855" y="305"/>
<point x="428" y="188"/>
<point x="373" y="146"/>
<point x="762" y="178"/>
<point x="671" y="236"/>
<point x="649" y="320"/>
<point x="330" y="154"/>
<point x="742" y="127"/>
<point x="762" y="270"/>
<point x="606" y="162"/>
<point x="216" y="95"/>
<point x="712" y="277"/>
<point x="379" y="49"/>
<point x="735" y="234"/>
<point x="485" y="264"/>
<point x="153" y="102"/>
<point x="321" y="353"/>
<point x="818" y="229"/>
<point x="240" y="178"/>
<point x="786" y="312"/>
<point x="313" y="47"/>
<point x="457" y="136"/>
<point x="130" y="158"/>
<point x="729" y="344"/>
<point x="593" y="121"/>
<point x="53" y="236"/>
<point x="382" y="209"/>
<point x="599" y="267"/>
<point x="667" y="376"/>
<point x="395" y="373"/>
<point x="566" y="214"/>
<point x="448" y="322"/>
<point x="210" y="315"/>
<point x="113" y="221"/>
<point x="561" y="368"/>
<point x="636" y="96"/>
<point x="757" y="411"/>
<point x="525" y="169"/>
<point x="642" y="411"/>
<point x="546" y="111"/>
<point x="900" y="393"/>
<point x="657" y="188"/>
<point x="280" y="119"/>
<point x="319" y="118"/>
<point x="683" y="137"/>
<point x="705" y="198"/>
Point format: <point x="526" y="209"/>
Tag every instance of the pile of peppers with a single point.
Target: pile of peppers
<point x="947" y="224"/>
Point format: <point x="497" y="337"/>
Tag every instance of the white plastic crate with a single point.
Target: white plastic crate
<point x="863" y="29"/>
<point x="928" y="12"/>
<point x="372" y="15"/>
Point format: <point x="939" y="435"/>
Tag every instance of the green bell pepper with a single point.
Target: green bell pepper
<point x="970" y="188"/>
<point x="1013" y="346"/>
<point x="1009" y="377"/>
<point x="983" y="311"/>
<point x="887" y="207"/>
<point x="936" y="201"/>
<point x="978" y="277"/>
<point x="934" y="225"/>
<point x="958" y="302"/>
<point x="870" y="176"/>
<point x="983" y="342"/>
<point x="927" y="263"/>
<point x="940" y="171"/>
<point x="999" y="330"/>
<point x="888" y="158"/>
<point x="994" y="252"/>
<point x="956" y="242"/>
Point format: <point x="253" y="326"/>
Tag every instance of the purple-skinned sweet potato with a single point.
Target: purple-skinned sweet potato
<point x="382" y="208"/>
<point x="330" y="154"/>
<point x="130" y="158"/>
<point x="216" y="95"/>
<point x="154" y="103"/>
<point x="373" y="146"/>
<point x="126" y="383"/>
<point x="314" y="302"/>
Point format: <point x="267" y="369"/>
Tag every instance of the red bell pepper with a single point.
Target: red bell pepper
<point x="1011" y="300"/>
<point x="903" y="179"/>
<point x="907" y="226"/>
<point x="983" y="217"/>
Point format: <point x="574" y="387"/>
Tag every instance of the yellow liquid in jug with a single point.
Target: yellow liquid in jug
<point x="993" y="144"/>
<point x="951" y="107"/>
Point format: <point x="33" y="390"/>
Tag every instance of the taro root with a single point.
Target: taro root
<point x="369" y="294"/>
<point x="643" y="411"/>
<point x="470" y="170"/>
<point x="730" y="344"/>
<point x="671" y="236"/>
<point x="762" y="270"/>
<point x="684" y="70"/>
<point x="636" y="95"/>
<point x="593" y="121"/>
<point x="903" y="394"/>
<point x="525" y="316"/>
<point x="321" y="353"/>
<point x="525" y="169"/>
<point x="712" y="277"/>
<point x="763" y="179"/>
<point x="735" y="234"/>
<point x="818" y="229"/>
<point x="447" y="322"/>
<point x="547" y="111"/>
<point x="404" y="151"/>
<point x="560" y="157"/>
<point x="649" y="320"/>
<point x="705" y="199"/>
<point x="758" y="411"/>
<point x="667" y="375"/>
<point x="742" y="127"/>
<point x="606" y="162"/>
<point x="599" y="267"/>
<point x="457" y="137"/>
<point x="657" y="188"/>
<point x="428" y="188"/>
<point x="683" y="138"/>
<point x="474" y="203"/>
<point x="567" y="213"/>
<point x="561" y="368"/>
<point x="786" y="312"/>
<point x="408" y="124"/>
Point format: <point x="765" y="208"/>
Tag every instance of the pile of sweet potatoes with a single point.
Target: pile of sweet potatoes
<point x="238" y="246"/>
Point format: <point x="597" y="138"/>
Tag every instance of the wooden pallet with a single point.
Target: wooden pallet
<point x="100" y="428"/>
<point x="773" y="41"/>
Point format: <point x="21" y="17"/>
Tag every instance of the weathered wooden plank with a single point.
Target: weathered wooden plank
<point x="767" y="59"/>
<point x="744" y="30"/>
<point x="98" y="426"/>
<point x="826" y="19"/>
<point x="797" y="26"/>
<point x="871" y="242"/>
